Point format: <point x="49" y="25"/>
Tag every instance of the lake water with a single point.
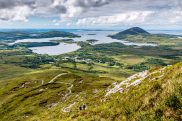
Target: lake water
<point x="85" y="35"/>
<point x="56" y="50"/>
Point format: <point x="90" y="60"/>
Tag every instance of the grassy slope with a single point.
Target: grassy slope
<point x="9" y="71"/>
<point x="151" y="100"/>
<point x="18" y="101"/>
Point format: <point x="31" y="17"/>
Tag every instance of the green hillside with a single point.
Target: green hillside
<point x="131" y="31"/>
<point x="60" y="94"/>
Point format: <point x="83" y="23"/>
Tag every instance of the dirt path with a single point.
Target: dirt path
<point x="67" y="109"/>
<point x="69" y="91"/>
<point x="59" y="75"/>
<point x="42" y="81"/>
<point x="69" y="88"/>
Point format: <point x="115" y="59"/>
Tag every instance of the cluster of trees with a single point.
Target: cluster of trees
<point x="33" y="44"/>
<point x="138" y="67"/>
<point x="155" y="61"/>
<point x="99" y="59"/>
<point x="147" y="64"/>
<point x="96" y="59"/>
<point x="10" y="52"/>
<point x="36" y="61"/>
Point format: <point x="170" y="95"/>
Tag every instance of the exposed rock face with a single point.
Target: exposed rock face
<point x="135" y="80"/>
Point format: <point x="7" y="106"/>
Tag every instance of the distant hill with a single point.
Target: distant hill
<point x="130" y="31"/>
<point x="135" y="31"/>
<point x="139" y="35"/>
<point x="17" y="35"/>
<point x="51" y="34"/>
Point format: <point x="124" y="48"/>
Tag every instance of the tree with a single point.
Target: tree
<point x="74" y="65"/>
<point x="90" y="66"/>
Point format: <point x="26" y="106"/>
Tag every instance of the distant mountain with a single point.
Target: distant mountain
<point x="51" y="34"/>
<point x="139" y="35"/>
<point x="17" y="35"/>
<point x="134" y="31"/>
<point x="131" y="31"/>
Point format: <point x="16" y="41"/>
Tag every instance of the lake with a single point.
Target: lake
<point x="56" y="50"/>
<point x="102" y="36"/>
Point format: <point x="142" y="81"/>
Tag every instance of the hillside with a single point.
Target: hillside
<point x="60" y="94"/>
<point x="134" y="31"/>
<point x="18" y="35"/>
<point x="130" y="31"/>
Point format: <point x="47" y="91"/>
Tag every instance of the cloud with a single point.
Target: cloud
<point x="5" y="4"/>
<point x="15" y="14"/>
<point x="16" y="10"/>
<point x="62" y="8"/>
<point x="123" y="18"/>
<point x="94" y="12"/>
<point x="73" y="8"/>
<point x="176" y="17"/>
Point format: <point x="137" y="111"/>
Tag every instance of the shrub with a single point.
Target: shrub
<point x="173" y="102"/>
<point x="158" y="114"/>
<point x="156" y="61"/>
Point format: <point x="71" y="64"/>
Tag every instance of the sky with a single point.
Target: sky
<point x="97" y="14"/>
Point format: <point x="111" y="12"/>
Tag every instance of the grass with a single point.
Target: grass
<point x="42" y="100"/>
<point x="9" y="71"/>
<point x="144" y="102"/>
<point x="101" y="70"/>
<point x="152" y="100"/>
<point x="129" y="59"/>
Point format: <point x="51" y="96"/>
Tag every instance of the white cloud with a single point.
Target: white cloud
<point x="175" y="17"/>
<point x="94" y="12"/>
<point x="15" y="14"/>
<point x="73" y="8"/>
<point x="64" y="8"/>
<point x="123" y="18"/>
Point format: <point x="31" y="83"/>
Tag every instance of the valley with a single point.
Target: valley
<point x="106" y="81"/>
